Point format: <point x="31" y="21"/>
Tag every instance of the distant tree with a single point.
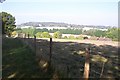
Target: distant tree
<point x="14" y="33"/>
<point x="39" y="34"/>
<point x="99" y="33"/>
<point x="45" y="35"/>
<point x="57" y="34"/>
<point x="63" y="31"/>
<point x="8" y="23"/>
<point x="29" y="31"/>
<point x="18" y="30"/>
<point x="71" y="37"/>
<point x="79" y="37"/>
<point x="65" y="37"/>
<point x="113" y="33"/>
<point x="89" y="32"/>
<point x="45" y="30"/>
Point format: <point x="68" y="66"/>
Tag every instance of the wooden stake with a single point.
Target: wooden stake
<point x="25" y="35"/>
<point x="28" y="35"/>
<point x="35" y="42"/>
<point x="102" y="69"/>
<point x="50" y="51"/>
<point x="86" y="66"/>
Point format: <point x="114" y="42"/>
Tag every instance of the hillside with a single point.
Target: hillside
<point x="52" y="24"/>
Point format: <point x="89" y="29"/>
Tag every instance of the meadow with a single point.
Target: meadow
<point x="68" y="56"/>
<point x="22" y="60"/>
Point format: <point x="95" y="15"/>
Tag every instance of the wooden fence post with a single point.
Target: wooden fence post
<point x="68" y="71"/>
<point x="102" y="69"/>
<point x="25" y="36"/>
<point x="86" y="66"/>
<point x="50" y="51"/>
<point x="35" y="42"/>
<point x="28" y="35"/>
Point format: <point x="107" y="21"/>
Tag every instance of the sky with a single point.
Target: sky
<point x="82" y="12"/>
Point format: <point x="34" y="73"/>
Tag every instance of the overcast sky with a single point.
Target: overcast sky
<point x="83" y="12"/>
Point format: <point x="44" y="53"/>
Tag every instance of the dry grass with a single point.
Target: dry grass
<point x="96" y="42"/>
<point x="68" y="56"/>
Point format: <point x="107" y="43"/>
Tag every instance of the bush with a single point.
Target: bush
<point x="65" y="37"/>
<point x="29" y="31"/>
<point x="79" y="37"/>
<point x="71" y="37"/>
<point x="45" y="35"/>
<point x="57" y="34"/>
<point x="14" y="33"/>
<point x="39" y="34"/>
<point x="113" y="33"/>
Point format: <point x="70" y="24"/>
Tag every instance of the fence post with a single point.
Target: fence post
<point x="102" y="69"/>
<point x="28" y="35"/>
<point x="35" y="42"/>
<point x="67" y="71"/>
<point x="50" y="51"/>
<point x="86" y="66"/>
<point x="25" y="35"/>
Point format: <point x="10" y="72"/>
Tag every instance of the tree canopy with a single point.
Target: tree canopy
<point x="113" y="33"/>
<point x="29" y="31"/>
<point x="57" y="34"/>
<point x="8" y="23"/>
<point x="45" y="35"/>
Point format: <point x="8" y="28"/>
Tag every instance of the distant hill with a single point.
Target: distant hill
<point x="53" y="24"/>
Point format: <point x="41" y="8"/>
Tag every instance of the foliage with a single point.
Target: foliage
<point x="71" y="31"/>
<point x="45" y="35"/>
<point x="29" y="31"/>
<point x="41" y="30"/>
<point x="8" y="23"/>
<point x="94" y="32"/>
<point x="65" y="37"/>
<point x="63" y="31"/>
<point x="18" y="30"/>
<point x="99" y="33"/>
<point x="21" y="60"/>
<point x="14" y="33"/>
<point x="113" y="33"/>
<point x="89" y="32"/>
<point x="71" y="37"/>
<point x="57" y="34"/>
<point x="39" y="34"/>
<point x="79" y="37"/>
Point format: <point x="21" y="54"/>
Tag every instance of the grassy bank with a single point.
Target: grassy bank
<point x="19" y="61"/>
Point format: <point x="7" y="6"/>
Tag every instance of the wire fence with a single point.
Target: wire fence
<point x="85" y="69"/>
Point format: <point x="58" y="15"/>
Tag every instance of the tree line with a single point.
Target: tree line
<point x="8" y="28"/>
<point x="112" y="33"/>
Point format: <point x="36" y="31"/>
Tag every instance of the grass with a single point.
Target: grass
<point x="19" y="61"/>
<point x="72" y="54"/>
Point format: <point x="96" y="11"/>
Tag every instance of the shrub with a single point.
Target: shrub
<point x="57" y="34"/>
<point x="65" y="37"/>
<point x="79" y="37"/>
<point x="45" y="35"/>
<point x="71" y="37"/>
<point x="39" y="34"/>
<point x="14" y="33"/>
